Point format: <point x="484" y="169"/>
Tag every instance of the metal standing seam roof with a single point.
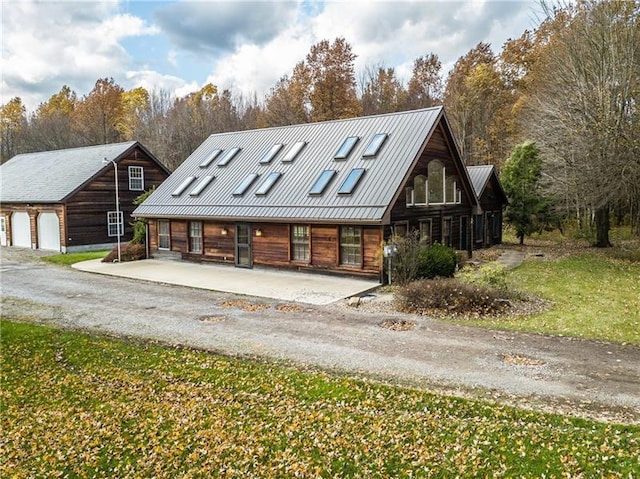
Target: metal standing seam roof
<point x="289" y="198"/>
<point x="479" y="176"/>
<point x="50" y="176"/>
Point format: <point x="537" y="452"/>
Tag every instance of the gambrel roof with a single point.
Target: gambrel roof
<point x="52" y="176"/>
<point x="247" y="186"/>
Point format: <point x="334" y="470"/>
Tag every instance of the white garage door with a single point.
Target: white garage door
<point x="21" y="229"/>
<point x="49" y="231"/>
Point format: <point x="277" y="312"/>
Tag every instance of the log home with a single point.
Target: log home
<point x="65" y="200"/>
<point x="320" y="196"/>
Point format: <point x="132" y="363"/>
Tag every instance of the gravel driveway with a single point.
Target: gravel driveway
<point x="587" y="378"/>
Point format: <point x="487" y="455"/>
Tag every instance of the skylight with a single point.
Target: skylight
<point x="346" y="148"/>
<point x="183" y="186"/>
<point x="202" y="185"/>
<point x="321" y="183"/>
<point x="293" y="152"/>
<point x="351" y="182"/>
<point x="270" y="155"/>
<point x="228" y="156"/>
<point x="212" y="156"/>
<point x="268" y="183"/>
<point x="374" y="145"/>
<point x="246" y="183"/>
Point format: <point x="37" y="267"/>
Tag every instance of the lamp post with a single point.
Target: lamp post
<point x="115" y="167"/>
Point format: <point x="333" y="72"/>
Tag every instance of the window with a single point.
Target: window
<point x="345" y="149"/>
<point x="408" y="191"/>
<point x="401" y="229"/>
<point x="136" y="178"/>
<point x="164" y="234"/>
<point x="228" y="156"/>
<point x="497" y="224"/>
<point x="293" y="152"/>
<point x="425" y="231"/>
<point x="246" y="183"/>
<point x="209" y="159"/>
<point x="436" y="181"/>
<point x="201" y="186"/>
<point x="446" y="231"/>
<point x="115" y="223"/>
<point x="420" y="190"/>
<point x="450" y="189"/>
<point x="271" y="154"/>
<point x="478" y="228"/>
<point x="350" y="245"/>
<point x="183" y="186"/>
<point x="374" y="146"/>
<point x="351" y="182"/>
<point x="458" y="196"/>
<point x="195" y="236"/>
<point x="300" y="243"/>
<point x="321" y="183"/>
<point x="268" y="183"/>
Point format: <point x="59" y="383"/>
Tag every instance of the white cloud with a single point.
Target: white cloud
<point x="152" y="80"/>
<point x="48" y="45"/>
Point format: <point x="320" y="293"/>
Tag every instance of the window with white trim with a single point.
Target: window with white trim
<point x="300" y="243"/>
<point x="195" y="236"/>
<point x="115" y="223"/>
<point x="435" y="173"/>
<point x="420" y="190"/>
<point x="164" y="234"/>
<point x="136" y="178"/>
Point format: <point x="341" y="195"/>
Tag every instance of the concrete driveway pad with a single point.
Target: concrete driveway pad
<point x="283" y="285"/>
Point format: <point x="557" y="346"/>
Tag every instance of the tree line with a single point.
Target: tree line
<point x="571" y="86"/>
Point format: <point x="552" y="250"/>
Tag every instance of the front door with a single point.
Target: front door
<point x="243" y="245"/>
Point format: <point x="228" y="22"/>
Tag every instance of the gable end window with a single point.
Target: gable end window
<point x="136" y="178"/>
<point x="436" y="179"/>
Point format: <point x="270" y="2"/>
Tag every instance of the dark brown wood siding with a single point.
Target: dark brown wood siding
<point x="87" y="209"/>
<point x="272" y="248"/>
<point x="437" y="149"/>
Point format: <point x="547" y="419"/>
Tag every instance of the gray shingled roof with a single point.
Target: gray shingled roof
<point x="50" y="176"/>
<point x="289" y="198"/>
<point x="479" y="175"/>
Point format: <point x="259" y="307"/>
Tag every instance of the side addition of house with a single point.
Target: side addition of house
<point x="65" y="200"/>
<point x="320" y="196"/>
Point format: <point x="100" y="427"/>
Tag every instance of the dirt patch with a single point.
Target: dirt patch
<point x="519" y="360"/>
<point x="289" y="308"/>
<point x="398" y="324"/>
<point x="245" y="305"/>
<point x="212" y="319"/>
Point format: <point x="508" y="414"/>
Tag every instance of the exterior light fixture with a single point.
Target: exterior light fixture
<point x="223" y="231"/>
<point x="258" y="232"/>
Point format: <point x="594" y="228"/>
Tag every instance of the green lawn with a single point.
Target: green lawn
<point x="71" y="258"/>
<point x="80" y="406"/>
<point x="593" y="296"/>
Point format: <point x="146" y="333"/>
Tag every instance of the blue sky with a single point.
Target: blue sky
<point x="245" y="46"/>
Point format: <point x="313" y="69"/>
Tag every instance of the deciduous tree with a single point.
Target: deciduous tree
<point x="584" y="109"/>
<point x="382" y="92"/>
<point x="100" y="113"/>
<point x="13" y="121"/>
<point x="425" y="86"/>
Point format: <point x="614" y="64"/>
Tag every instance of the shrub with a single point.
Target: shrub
<point x="404" y="264"/>
<point x="436" y="261"/>
<point x="128" y="252"/>
<point x="492" y="275"/>
<point x="449" y="297"/>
